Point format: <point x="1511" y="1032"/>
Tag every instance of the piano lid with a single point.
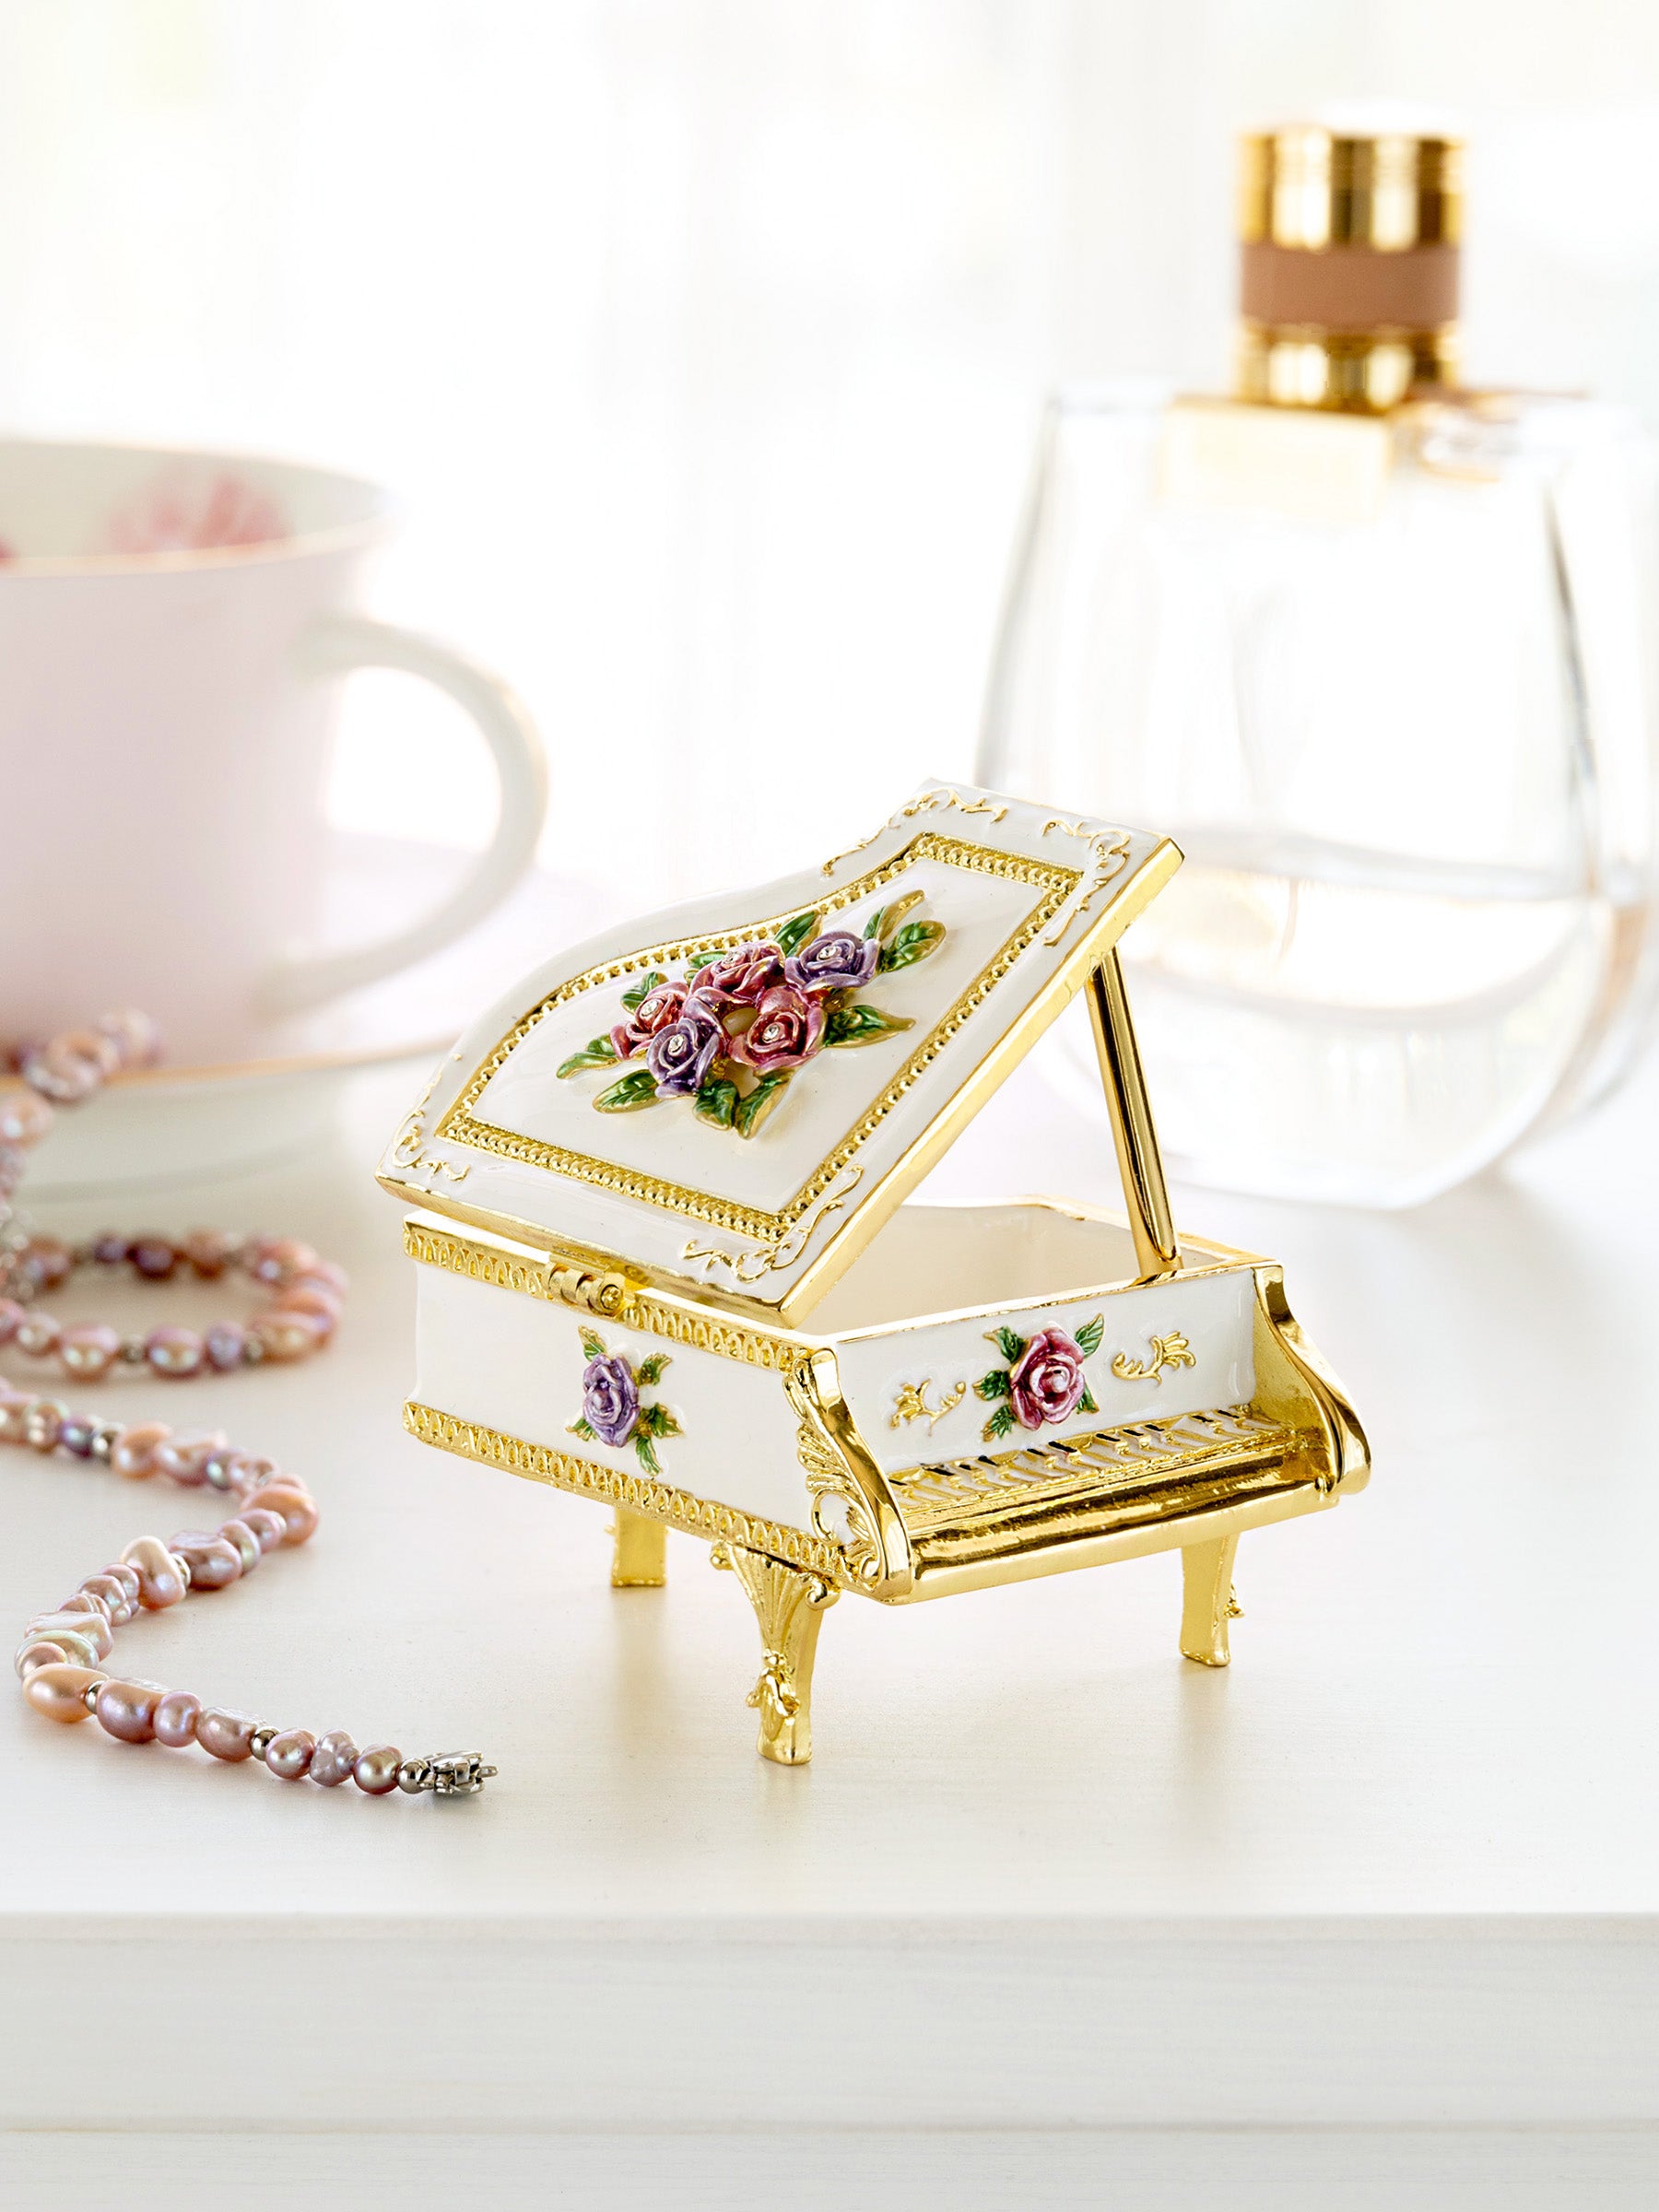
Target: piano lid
<point x="730" y="1097"/>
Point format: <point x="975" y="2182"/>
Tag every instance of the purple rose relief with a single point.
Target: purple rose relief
<point x="610" y="1399"/>
<point x="840" y="960"/>
<point x="1046" y="1380"/>
<point x="681" y="1056"/>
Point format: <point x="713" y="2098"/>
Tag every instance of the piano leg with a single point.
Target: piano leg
<point x="639" y="1559"/>
<point x="1208" y="1601"/>
<point x="789" y="1607"/>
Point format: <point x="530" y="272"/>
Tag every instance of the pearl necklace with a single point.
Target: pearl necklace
<point x="60" y="1657"/>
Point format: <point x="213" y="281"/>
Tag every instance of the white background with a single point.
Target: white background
<point x="706" y="341"/>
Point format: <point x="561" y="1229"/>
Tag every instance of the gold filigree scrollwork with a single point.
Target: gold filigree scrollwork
<point x="789" y="1607"/>
<point x="839" y="1511"/>
<point x="843" y="1511"/>
<point x="1170" y="1351"/>
<point x="409" y="1148"/>
<point x="927" y="801"/>
<point x="1107" y="857"/>
<point x="912" y="1405"/>
<point x="749" y="1266"/>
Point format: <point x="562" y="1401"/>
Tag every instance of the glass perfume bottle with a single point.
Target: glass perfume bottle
<point x="1381" y="653"/>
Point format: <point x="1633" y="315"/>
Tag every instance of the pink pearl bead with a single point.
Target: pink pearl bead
<point x="298" y="1511"/>
<point x="173" y="1352"/>
<point x="90" y="1628"/>
<point x="49" y="1260"/>
<point x="133" y="1448"/>
<point x="134" y="1035"/>
<point x="119" y="1571"/>
<point x="78" y="1651"/>
<point x="153" y="1257"/>
<point x="88" y="1350"/>
<point x="119" y="1606"/>
<point x="321" y="1306"/>
<point x="248" y="1547"/>
<point x="223" y="1343"/>
<point x="228" y="1735"/>
<point x="376" y="1771"/>
<point x="269" y="1528"/>
<point x="11" y="1313"/>
<point x="128" y="1710"/>
<point x="209" y="1252"/>
<point x="24" y="1117"/>
<point x="44" y="1424"/>
<point x="213" y="1563"/>
<point x="160" y="1581"/>
<point x="276" y="1259"/>
<point x="176" y="1716"/>
<point x="38" y="1652"/>
<point x="37" y="1334"/>
<point x="333" y="1760"/>
<point x="288" y="1756"/>
<point x="14" y="1409"/>
<point x="326" y="1276"/>
<point x="83" y="1600"/>
<point x="93" y="1045"/>
<point x="184" y="1458"/>
<point x="59" y="1692"/>
<point x="285" y="1336"/>
<point x="63" y="1074"/>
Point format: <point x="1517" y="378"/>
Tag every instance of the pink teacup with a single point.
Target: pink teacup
<point x="171" y="625"/>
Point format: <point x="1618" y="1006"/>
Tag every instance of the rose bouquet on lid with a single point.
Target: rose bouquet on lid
<point x="730" y="1032"/>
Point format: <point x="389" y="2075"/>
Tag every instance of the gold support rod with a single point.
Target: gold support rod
<point x="1139" y="1164"/>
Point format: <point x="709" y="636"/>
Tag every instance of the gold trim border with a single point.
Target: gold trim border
<point x="634" y="1493"/>
<point x="461" y="1126"/>
<point x="639" y="1308"/>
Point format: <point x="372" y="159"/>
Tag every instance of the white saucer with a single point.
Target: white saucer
<point x="171" y="1124"/>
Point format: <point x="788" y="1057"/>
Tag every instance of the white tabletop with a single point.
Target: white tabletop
<point x="1395" y="1871"/>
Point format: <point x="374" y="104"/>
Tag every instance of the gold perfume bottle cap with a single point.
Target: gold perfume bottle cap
<point x="1348" y="249"/>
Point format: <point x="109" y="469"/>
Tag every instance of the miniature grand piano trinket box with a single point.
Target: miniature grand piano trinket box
<point x="665" y="1261"/>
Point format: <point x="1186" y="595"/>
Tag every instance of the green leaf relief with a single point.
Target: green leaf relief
<point x="748" y="1113"/>
<point x="794" y="935"/>
<point x="1007" y="1343"/>
<point x="913" y="942"/>
<point x="634" y="1090"/>
<point x="862" y="1025"/>
<point x="599" y="1052"/>
<point x="581" y="1427"/>
<point x="995" y="1385"/>
<point x="1089" y="1335"/>
<point x="716" y="1102"/>
<point x="642" y="989"/>
<point x="648" y="1372"/>
<point x="894" y="913"/>
<point x="871" y="928"/>
<point x="648" y="1458"/>
<point x="1086" y="1404"/>
<point x="592" y="1347"/>
<point x="656" y="1421"/>
<point x="1000" y="1423"/>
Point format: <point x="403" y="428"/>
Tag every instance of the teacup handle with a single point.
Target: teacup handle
<point x="334" y="645"/>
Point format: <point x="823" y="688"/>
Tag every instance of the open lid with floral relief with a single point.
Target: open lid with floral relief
<point x="730" y="1097"/>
